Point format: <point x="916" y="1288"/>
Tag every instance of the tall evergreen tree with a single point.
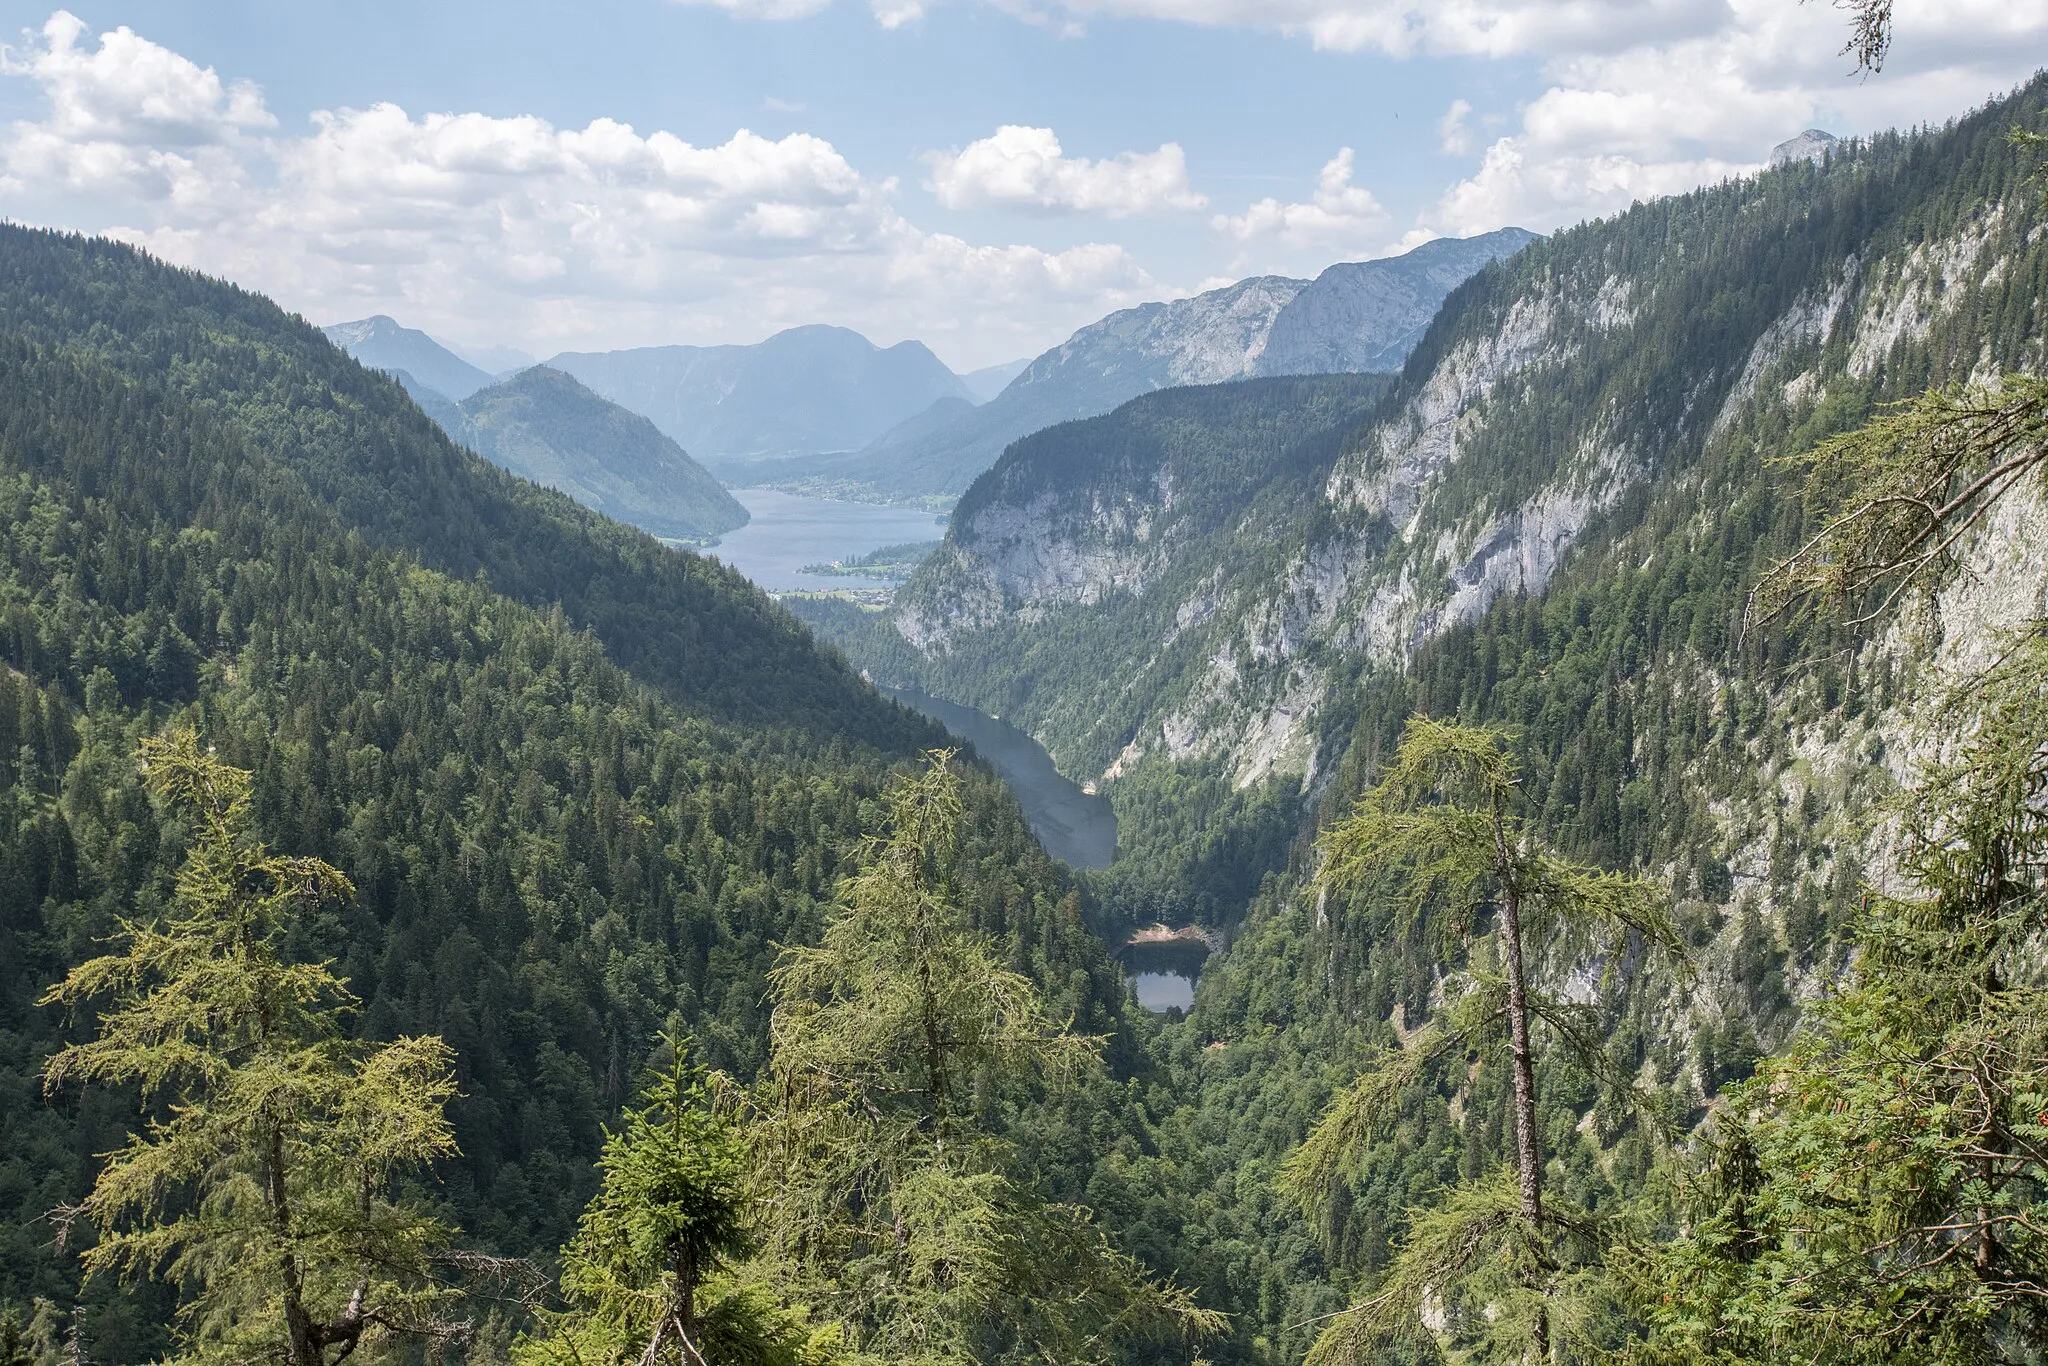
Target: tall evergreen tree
<point x="262" y="1186"/>
<point x="1442" y="833"/>
<point x="671" y="1211"/>
<point x="890" y="1204"/>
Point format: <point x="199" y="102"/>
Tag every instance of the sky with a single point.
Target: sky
<point x="981" y="175"/>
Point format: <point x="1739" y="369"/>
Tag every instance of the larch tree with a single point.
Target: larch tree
<point x="889" y="1205"/>
<point x="1894" y="500"/>
<point x="1442" y="834"/>
<point x="262" y="1184"/>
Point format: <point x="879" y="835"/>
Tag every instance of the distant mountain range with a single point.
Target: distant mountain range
<point x="825" y="410"/>
<point x="382" y="344"/>
<point x="1363" y="317"/>
<point x="803" y="391"/>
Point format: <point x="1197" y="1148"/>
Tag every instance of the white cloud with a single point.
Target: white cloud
<point x="1655" y="118"/>
<point x="1339" y="220"/>
<point x="1025" y="168"/>
<point x="127" y="117"/>
<point x="888" y="13"/>
<point x="776" y="106"/>
<point x="1453" y="133"/>
<point x="494" y="228"/>
<point x="1401" y="27"/>
<point x="1643" y="97"/>
<point x="764" y="9"/>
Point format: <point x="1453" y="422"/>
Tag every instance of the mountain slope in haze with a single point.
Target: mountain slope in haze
<point x="445" y="411"/>
<point x="985" y="383"/>
<point x="1364" y="317"/>
<point x="544" y="425"/>
<point x="806" y="390"/>
<point x="380" y="343"/>
<point x="1202" y="340"/>
<point x="1361" y="317"/>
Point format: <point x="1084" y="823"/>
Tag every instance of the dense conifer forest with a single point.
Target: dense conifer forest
<point x="561" y="841"/>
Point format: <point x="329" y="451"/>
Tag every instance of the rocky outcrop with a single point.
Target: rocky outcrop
<point x="1365" y="317"/>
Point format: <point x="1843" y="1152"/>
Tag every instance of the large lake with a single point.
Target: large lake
<point x="790" y="531"/>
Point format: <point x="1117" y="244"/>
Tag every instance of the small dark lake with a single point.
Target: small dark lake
<point x="1163" y="973"/>
<point x="1075" y="828"/>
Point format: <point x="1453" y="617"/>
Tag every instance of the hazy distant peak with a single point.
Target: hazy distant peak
<point x="985" y="383"/>
<point x="1364" y="317"/>
<point x="382" y="343"/>
<point x="1811" y="145"/>
<point x="361" y="330"/>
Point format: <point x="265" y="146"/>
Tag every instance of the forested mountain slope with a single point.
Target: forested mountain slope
<point x="543" y="425"/>
<point x="559" y="844"/>
<point x="692" y="629"/>
<point x="1553" y="523"/>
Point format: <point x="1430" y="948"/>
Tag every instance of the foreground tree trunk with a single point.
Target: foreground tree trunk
<point x="1521" y="1063"/>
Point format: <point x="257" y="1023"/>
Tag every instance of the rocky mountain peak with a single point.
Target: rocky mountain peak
<point x="1811" y="145"/>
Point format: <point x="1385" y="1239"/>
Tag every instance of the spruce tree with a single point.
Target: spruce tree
<point x="262" y="1182"/>
<point x="670" y="1213"/>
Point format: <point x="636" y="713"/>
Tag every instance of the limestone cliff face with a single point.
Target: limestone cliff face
<point x="1565" y="403"/>
<point x="1364" y="317"/>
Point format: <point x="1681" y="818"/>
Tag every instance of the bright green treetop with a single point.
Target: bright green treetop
<point x="264" y="1187"/>
<point x="641" y="1276"/>
<point x="889" y="1205"/>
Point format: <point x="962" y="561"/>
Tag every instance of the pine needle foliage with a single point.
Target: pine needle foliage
<point x="263" y="1186"/>
<point x="890" y="1206"/>
<point x="1895" y="497"/>
<point x="1442" y="835"/>
<point x="1879" y="1193"/>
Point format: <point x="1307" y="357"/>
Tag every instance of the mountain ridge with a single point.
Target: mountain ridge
<point x="544" y="425"/>
<point x="804" y="390"/>
<point x="1374" y="311"/>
